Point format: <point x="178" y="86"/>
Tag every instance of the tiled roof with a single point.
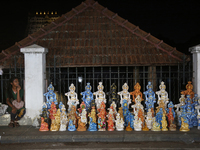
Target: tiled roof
<point x="92" y="35"/>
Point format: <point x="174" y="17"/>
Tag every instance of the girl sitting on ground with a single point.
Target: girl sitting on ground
<point x="15" y="101"/>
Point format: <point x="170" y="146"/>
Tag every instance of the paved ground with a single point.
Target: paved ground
<point x="105" y="146"/>
<point x="29" y="134"/>
<point x="28" y="137"/>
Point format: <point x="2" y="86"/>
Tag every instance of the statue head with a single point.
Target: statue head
<point x="137" y="86"/>
<point x="195" y="95"/>
<point x="44" y="105"/>
<point x="50" y="88"/>
<point x="162" y="86"/>
<point x="170" y="105"/>
<point x="189" y="86"/>
<point x="63" y="108"/>
<point x="100" y="86"/>
<point x="182" y="99"/>
<point x="149" y="113"/>
<point x="88" y="87"/>
<point x="149" y="86"/>
<point x="125" y="87"/>
<point x="82" y="106"/>
<point x="113" y="87"/>
<point x="72" y="88"/>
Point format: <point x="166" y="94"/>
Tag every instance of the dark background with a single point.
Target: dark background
<point x="176" y="22"/>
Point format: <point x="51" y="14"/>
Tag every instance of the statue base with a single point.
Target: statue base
<point x="102" y="129"/>
<point x="164" y="129"/>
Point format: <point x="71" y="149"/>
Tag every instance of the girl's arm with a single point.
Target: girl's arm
<point x="18" y="94"/>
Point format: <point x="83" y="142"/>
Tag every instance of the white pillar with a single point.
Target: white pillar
<point x="195" y="50"/>
<point x="35" y="76"/>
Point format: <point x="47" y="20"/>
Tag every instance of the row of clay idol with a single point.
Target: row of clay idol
<point x="138" y="120"/>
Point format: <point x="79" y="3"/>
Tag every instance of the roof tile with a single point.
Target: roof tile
<point x="92" y="35"/>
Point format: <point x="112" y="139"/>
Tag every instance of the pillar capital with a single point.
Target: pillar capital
<point x="195" y="49"/>
<point x="34" y="49"/>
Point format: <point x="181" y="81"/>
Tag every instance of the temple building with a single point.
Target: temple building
<point x="39" y="20"/>
<point x="96" y="44"/>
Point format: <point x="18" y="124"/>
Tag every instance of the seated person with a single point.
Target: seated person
<point x="15" y="101"/>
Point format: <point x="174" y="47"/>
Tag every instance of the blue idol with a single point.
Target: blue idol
<point x="71" y="126"/>
<point x="149" y="97"/>
<point x="92" y="126"/>
<point x="87" y="96"/>
<point x="50" y="96"/>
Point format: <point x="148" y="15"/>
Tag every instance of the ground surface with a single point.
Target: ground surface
<point x="105" y="146"/>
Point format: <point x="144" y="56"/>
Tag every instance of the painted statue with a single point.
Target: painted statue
<point x="81" y="125"/>
<point x="84" y="116"/>
<point x="120" y="111"/>
<point x="184" y="125"/>
<point x="137" y="104"/>
<point x="170" y="117"/>
<point x="198" y="116"/>
<point x="93" y="115"/>
<point x="72" y="115"/>
<point x="178" y="106"/>
<point x="102" y="117"/>
<point x="190" y="114"/>
<point x="164" y="123"/>
<point x="54" y="126"/>
<point x="63" y="119"/>
<point x="110" y="122"/>
<point x="125" y="112"/>
<point x="50" y="96"/>
<point x="71" y="126"/>
<point x="60" y="106"/>
<point x="113" y="107"/>
<point x="87" y="96"/>
<point x="159" y="116"/>
<point x="44" y="126"/>
<point x="161" y="105"/>
<point x="149" y="119"/>
<point x="194" y="104"/>
<point x="137" y="124"/>
<point x="111" y="113"/>
<point x="183" y="115"/>
<point x="44" y="113"/>
<point x="188" y="91"/>
<point x="82" y="106"/>
<point x="92" y="125"/>
<point x="119" y="123"/>
<point x="150" y="99"/>
<point x="57" y="118"/>
<point x="155" y="125"/>
<point x="52" y="111"/>
<point x="100" y="95"/>
<point x="72" y="97"/>
<point x="124" y="95"/>
<point x="113" y="97"/>
<point x="162" y="94"/>
<point x="136" y="92"/>
<point x="195" y="99"/>
<point x="129" y="119"/>
<point x="171" y="105"/>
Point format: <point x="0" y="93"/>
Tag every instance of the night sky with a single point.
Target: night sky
<point x="176" y="22"/>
